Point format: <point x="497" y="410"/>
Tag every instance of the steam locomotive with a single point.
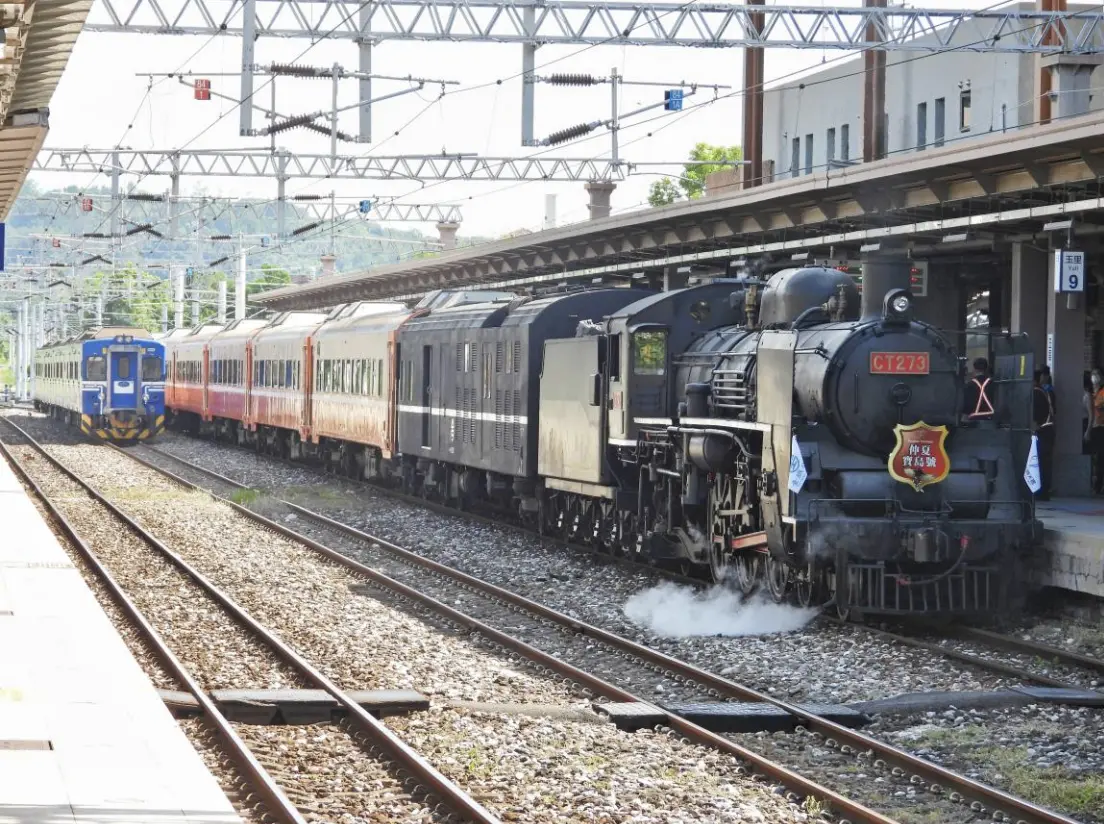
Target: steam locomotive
<point x="786" y="433"/>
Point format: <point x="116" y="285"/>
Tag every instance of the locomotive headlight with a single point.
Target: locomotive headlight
<point x="900" y="304"/>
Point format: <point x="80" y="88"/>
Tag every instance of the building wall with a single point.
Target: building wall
<point x="826" y="108"/>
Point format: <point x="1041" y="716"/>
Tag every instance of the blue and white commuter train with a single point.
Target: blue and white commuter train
<point x="109" y="381"/>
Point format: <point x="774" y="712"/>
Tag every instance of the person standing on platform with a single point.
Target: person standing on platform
<point x="1042" y="409"/>
<point x="1094" y="434"/>
<point x="977" y="401"/>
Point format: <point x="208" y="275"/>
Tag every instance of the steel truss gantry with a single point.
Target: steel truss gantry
<point x="559" y="22"/>
<point x="534" y="23"/>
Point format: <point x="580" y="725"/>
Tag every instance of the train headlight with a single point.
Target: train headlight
<point x="901" y="304"/>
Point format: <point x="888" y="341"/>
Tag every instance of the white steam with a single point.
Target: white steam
<point x="672" y="611"/>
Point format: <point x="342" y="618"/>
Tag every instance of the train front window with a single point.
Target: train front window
<point x="151" y="368"/>
<point x="649" y="353"/>
<point x="95" y="368"/>
<point x="123" y="367"/>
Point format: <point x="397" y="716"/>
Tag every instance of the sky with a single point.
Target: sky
<point x="103" y="102"/>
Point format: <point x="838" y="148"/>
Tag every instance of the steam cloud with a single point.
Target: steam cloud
<point x="672" y="611"/>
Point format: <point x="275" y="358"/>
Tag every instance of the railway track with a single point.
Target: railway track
<point x="798" y="785"/>
<point x="965" y="645"/>
<point x="974" y="798"/>
<point x="70" y="498"/>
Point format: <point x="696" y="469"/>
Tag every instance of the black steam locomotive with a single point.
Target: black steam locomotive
<point x="793" y="434"/>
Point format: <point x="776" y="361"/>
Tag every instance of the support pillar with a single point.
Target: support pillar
<point x="116" y="199"/>
<point x="1030" y="286"/>
<point x="364" y="47"/>
<point x="874" y="79"/>
<point x="1043" y="81"/>
<point x="549" y="211"/>
<point x="528" y="77"/>
<point x="1066" y="344"/>
<point x="240" y="286"/>
<point x="446" y="232"/>
<point x="600" y="192"/>
<point x="249" y="39"/>
<point x="174" y="199"/>
<point x="675" y="279"/>
<point x="1070" y="86"/>
<point x="753" y="106"/>
<point x="327" y="265"/>
<point x="164" y="318"/>
<point x="221" y="311"/>
<point x="177" y="275"/>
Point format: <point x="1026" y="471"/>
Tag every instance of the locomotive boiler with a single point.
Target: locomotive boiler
<point x="817" y="447"/>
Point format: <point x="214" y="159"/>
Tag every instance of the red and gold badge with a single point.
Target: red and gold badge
<point x="919" y="458"/>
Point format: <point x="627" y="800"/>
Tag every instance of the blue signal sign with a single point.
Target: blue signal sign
<point x="672" y="100"/>
<point x="365" y="206"/>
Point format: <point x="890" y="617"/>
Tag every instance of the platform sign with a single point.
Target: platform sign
<point x="672" y="100"/>
<point x="202" y="89"/>
<point x="1069" y="271"/>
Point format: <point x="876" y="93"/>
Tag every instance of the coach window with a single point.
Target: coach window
<point x="95" y="368"/>
<point x="649" y="353"/>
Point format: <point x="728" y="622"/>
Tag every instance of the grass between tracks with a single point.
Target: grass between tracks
<point x="1079" y="794"/>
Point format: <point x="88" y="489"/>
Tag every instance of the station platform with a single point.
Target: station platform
<point x="1074" y="543"/>
<point x="84" y="736"/>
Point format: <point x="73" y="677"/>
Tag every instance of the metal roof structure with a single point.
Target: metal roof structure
<point x="952" y="198"/>
<point x="39" y="37"/>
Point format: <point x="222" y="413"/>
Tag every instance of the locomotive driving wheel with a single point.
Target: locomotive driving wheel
<point x="778" y="578"/>
<point x="810" y="586"/>
<point x="748" y="569"/>
<point x="719" y="567"/>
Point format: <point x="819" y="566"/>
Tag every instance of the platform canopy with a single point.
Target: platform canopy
<point x="39" y="36"/>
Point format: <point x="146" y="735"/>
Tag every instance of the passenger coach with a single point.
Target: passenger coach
<point x="109" y="381"/>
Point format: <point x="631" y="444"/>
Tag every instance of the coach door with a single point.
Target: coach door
<point x="427" y="400"/>
<point x="123" y="380"/>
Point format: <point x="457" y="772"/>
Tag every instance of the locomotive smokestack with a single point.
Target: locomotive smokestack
<point x="882" y="270"/>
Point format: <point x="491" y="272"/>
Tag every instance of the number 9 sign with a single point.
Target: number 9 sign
<point x="1069" y="271"/>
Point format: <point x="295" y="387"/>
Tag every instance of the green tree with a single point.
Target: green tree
<point x="692" y="180"/>
<point x="663" y="192"/>
<point x="273" y="277"/>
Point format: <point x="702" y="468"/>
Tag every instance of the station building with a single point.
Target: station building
<point x="975" y="283"/>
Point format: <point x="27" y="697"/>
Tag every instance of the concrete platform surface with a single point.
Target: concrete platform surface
<point x="84" y="736"/>
<point x="1074" y="544"/>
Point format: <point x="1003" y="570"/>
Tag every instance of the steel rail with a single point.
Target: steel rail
<point x="933" y="773"/>
<point x="958" y="655"/>
<point x="458" y="800"/>
<point x="699" y="735"/>
<point x="275" y="800"/>
<point x="1026" y="647"/>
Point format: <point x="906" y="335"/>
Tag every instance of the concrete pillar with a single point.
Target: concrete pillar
<point x="1066" y="344"/>
<point x="549" y="211"/>
<point x="674" y="279"/>
<point x="446" y="231"/>
<point x="600" y="192"/>
<point x="1070" y="82"/>
<point x="1030" y="284"/>
<point x="221" y="307"/>
<point x="327" y="265"/>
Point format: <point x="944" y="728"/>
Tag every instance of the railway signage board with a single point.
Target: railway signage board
<point x="1069" y="271"/>
<point x="202" y="89"/>
<point x="900" y="363"/>
<point x="920" y="458"/>
<point x="86" y="204"/>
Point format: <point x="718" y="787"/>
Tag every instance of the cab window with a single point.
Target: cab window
<point x="151" y="368"/>
<point x="649" y="353"/>
<point x="95" y="368"/>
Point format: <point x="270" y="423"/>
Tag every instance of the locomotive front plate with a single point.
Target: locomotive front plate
<point x="900" y="363"/>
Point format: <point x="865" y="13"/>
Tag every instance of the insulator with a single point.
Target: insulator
<point x="95" y="234"/>
<point x="220" y="237"/>
<point x="573" y="80"/>
<point x="144" y="227"/>
<point x="94" y="258"/>
<point x="306" y="197"/>
<point x="60" y="266"/>
<point x="304" y="229"/>
<point x="326" y="130"/>
<point x="145" y="196"/>
<point x="298" y="71"/>
<point x="214" y="263"/>
<point x="569" y="134"/>
<point x="290" y="123"/>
